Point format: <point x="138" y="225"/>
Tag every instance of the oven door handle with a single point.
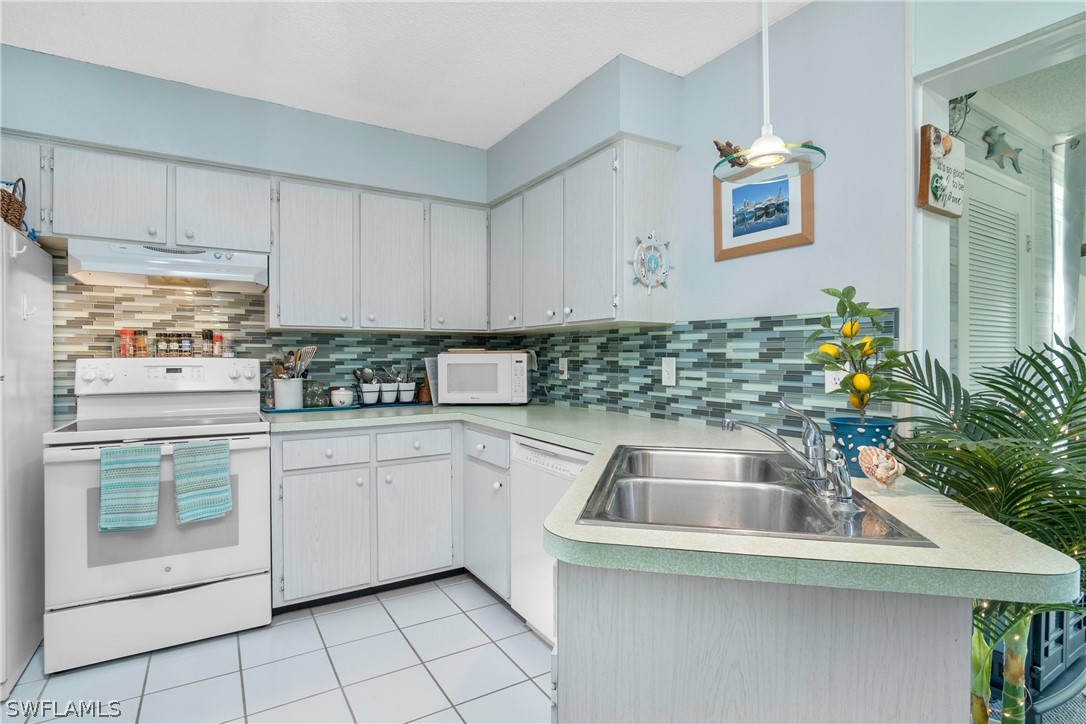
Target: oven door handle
<point x="83" y="454"/>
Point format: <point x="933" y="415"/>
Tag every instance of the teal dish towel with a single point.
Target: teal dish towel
<point x="128" y="493"/>
<point x="202" y="476"/>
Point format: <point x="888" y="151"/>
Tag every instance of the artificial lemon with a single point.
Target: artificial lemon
<point x="831" y="349"/>
<point x="867" y="348"/>
<point x="861" y="382"/>
<point x="857" y="401"/>
<point x="850" y="329"/>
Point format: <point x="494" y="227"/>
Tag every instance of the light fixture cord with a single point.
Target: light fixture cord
<point x="767" y="127"/>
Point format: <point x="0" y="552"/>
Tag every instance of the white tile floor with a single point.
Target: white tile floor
<point x="437" y="652"/>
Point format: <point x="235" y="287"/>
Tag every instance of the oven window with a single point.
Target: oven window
<point x="473" y="377"/>
<point x="166" y="538"/>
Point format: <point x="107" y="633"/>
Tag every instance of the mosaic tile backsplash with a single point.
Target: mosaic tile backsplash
<point x="736" y="367"/>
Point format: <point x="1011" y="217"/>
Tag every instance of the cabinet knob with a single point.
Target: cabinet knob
<point x="359" y="481"/>
<point x="190" y="234"/>
<point x="372" y="317"/>
<point x="550" y="312"/>
<point x="388" y="478"/>
<point x="512" y="318"/>
<point x="328" y="453"/>
<point x="417" y="445"/>
<point x="441" y="320"/>
<point x="497" y="485"/>
<point x="152" y="231"/>
<point x="343" y="317"/>
<point x="480" y="447"/>
<point x="569" y="311"/>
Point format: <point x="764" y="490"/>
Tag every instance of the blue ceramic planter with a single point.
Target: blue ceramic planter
<point x="850" y="436"/>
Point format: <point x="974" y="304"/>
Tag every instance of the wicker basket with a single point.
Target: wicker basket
<point x="13" y="203"/>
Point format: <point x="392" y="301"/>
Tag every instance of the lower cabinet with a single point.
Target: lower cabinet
<point x="414" y="518"/>
<point x="486" y="525"/>
<point x="326" y="532"/>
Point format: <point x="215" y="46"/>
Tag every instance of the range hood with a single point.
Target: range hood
<point x="138" y="265"/>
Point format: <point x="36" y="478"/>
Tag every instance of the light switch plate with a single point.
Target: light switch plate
<point x="667" y="369"/>
<point x="563" y="368"/>
<point x="833" y="379"/>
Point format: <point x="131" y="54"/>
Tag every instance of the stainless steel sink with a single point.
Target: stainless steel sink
<point x="730" y="491"/>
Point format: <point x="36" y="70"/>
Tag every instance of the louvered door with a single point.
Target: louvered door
<point x="995" y="282"/>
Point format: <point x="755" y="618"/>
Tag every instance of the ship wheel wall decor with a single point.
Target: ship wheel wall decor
<point x="651" y="262"/>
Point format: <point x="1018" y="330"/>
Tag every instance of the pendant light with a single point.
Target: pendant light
<point x="769" y="158"/>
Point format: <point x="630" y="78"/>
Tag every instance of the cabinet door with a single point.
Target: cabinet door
<point x="414" y="518"/>
<point x="22" y="159"/>
<point x="543" y="254"/>
<point x="486" y="525"/>
<point x="316" y="256"/>
<point x="109" y="197"/>
<point x="326" y="532"/>
<point x="506" y="242"/>
<point x="223" y="210"/>
<point x="392" y="273"/>
<point x="458" y="277"/>
<point x="589" y="259"/>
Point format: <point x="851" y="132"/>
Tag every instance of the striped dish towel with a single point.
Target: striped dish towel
<point x="128" y="493"/>
<point x="202" y="476"/>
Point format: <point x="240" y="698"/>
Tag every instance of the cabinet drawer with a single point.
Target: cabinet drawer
<point x="325" y="452"/>
<point x="397" y="445"/>
<point x="488" y="448"/>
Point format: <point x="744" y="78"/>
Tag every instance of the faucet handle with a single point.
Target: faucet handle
<point x="813" y="434"/>
<point x="728" y="425"/>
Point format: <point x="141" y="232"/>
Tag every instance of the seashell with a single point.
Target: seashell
<point x="880" y="466"/>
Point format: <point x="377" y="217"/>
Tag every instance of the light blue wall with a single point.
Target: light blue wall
<point x="946" y="32"/>
<point x="59" y="97"/>
<point x="837" y="77"/>
<point x="650" y="101"/>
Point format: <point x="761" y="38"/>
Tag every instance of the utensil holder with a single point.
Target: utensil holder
<point x="288" y="394"/>
<point x="389" y="391"/>
<point x="371" y="393"/>
<point x="407" y="392"/>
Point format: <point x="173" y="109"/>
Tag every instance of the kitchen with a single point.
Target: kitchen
<point x="395" y="561"/>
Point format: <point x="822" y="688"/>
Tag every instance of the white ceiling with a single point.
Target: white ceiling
<point x="1053" y="98"/>
<point x="466" y="72"/>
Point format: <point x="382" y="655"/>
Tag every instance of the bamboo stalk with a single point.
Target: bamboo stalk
<point x="1014" y="672"/>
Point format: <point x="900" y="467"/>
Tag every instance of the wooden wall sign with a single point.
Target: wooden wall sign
<point x="942" y="173"/>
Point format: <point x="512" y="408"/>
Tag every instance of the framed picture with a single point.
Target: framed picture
<point x="756" y="218"/>
<point x="942" y="173"/>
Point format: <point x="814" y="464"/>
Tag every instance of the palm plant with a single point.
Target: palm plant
<point x="1016" y="452"/>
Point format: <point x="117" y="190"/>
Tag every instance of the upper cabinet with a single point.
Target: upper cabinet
<point x="588" y="261"/>
<point x="223" y="209"/>
<point x="458" y="267"/>
<point x="543" y="254"/>
<point x="108" y="196"/>
<point x="392" y="248"/>
<point x="23" y="159"/>
<point x="506" y="245"/>
<point x="314" y="285"/>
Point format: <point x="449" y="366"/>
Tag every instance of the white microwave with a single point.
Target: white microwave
<point x="482" y="378"/>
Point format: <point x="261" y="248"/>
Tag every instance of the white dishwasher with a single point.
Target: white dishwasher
<point x="540" y="474"/>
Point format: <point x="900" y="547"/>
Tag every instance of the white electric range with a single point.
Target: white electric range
<point x="115" y="593"/>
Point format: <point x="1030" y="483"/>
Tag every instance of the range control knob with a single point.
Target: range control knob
<point x="106" y="375"/>
<point x="250" y="373"/>
<point x="88" y="374"/>
<point x="234" y="373"/>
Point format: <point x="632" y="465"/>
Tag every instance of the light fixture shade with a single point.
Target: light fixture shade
<point x="796" y="160"/>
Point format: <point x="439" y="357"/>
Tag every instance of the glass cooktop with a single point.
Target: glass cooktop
<point x="164" y="427"/>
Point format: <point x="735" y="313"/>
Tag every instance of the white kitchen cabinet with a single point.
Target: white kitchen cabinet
<point x="20" y="158"/>
<point x="326" y="532"/>
<point x="392" y="274"/>
<point x="588" y="261"/>
<point x="223" y="209"/>
<point x="486" y="525"/>
<point x="458" y="267"/>
<point x="314" y="286"/>
<point x="542" y="278"/>
<point x="414" y="518"/>
<point x="506" y="245"/>
<point x="108" y="196"/>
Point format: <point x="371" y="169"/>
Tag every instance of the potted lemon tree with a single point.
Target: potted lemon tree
<point x="853" y="344"/>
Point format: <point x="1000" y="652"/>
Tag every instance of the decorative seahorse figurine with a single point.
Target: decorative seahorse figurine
<point x="999" y="149"/>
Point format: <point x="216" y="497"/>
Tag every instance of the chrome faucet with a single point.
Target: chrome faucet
<point x="813" y="460"/>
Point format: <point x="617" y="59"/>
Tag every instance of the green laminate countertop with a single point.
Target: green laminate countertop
<point x="975" y="557"/>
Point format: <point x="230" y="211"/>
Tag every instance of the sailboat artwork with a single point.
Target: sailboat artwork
<point x="758" y="207"/>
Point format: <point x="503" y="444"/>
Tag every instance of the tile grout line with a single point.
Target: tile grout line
<point x="332" y="665"/>
<point x="241" y="680"/>
<point x="424" y="666"/>
<point x="143" y="688"/>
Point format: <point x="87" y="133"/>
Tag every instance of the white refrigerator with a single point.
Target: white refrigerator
<point x="26" y="412"/>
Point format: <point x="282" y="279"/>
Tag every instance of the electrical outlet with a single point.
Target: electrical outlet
<point x="563" y="368"/>
<point x="833" y="379"/>
<point x="667" y="372"/>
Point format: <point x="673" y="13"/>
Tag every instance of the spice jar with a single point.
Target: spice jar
<point x="141" y="342"/>
<point x="228" y="348"/>
<point x="207" y="338"/>
<point x="175" y="344"/>
<point x="186" y="345"/>
<point x="127" y="346"/>
<point x="162" y="345"/>
<point x="216" y="345"/>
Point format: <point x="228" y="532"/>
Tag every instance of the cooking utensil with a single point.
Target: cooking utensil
<point x="305" y="357"/>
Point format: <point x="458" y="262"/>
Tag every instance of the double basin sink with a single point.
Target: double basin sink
<point x="728" y="491"/>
